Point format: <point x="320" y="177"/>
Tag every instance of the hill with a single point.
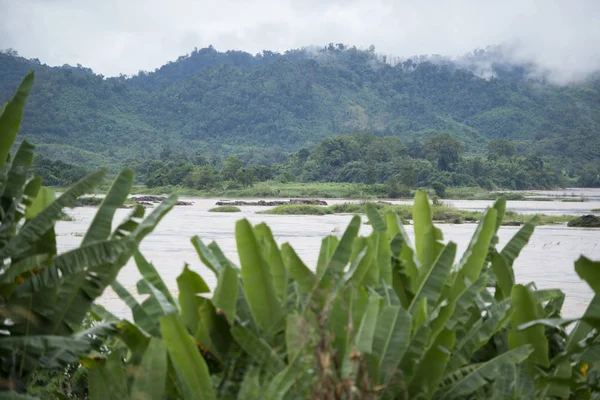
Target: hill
<point x="265" y="105"/>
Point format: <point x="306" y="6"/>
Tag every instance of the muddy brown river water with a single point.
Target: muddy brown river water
<point x="548" y="258"/>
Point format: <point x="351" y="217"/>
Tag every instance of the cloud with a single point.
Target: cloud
<point x="125" y="36"/>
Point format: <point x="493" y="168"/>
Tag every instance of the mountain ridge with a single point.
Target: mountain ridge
<point x="270" y="104"/>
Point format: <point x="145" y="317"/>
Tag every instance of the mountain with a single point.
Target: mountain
<point x="212" y="102"/>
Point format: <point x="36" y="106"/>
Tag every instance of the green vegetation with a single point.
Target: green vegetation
<point x="440" y="213"/>
<point x="595" y="209"/>
<point x="585" y="221"/>
<point x="376" y="318"/>
<point x="377" y="166"/>
<point x="298" y="209"/>
<point x="227" y="209"/>
<point x="434" y="121"/>
<point x="46" y="295"/>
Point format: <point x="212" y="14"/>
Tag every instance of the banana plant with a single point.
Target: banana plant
<point x="375" y="317"/>
<point x="46" y="295"/>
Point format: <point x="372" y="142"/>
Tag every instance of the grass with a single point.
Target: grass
<point x="595" y="209"/>
<point x="225" y="209"/>
<point x="281" y="190"/>
<point x="441" y="213"/>
<point x="89" y="201"/>
<point x="577" y="200"/>
<point x="298" y="209"/>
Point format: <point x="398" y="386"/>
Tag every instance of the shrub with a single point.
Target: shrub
<point x="226" y="209"/>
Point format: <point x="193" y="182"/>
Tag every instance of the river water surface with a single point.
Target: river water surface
<point x="548" y="258"/>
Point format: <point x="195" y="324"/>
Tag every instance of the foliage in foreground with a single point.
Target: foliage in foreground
<point x="46" y="295"/>
<point x="378" y="318"/>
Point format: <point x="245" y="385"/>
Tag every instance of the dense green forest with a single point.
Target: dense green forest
<point x="274" y="111"/>
<point x="365" y="158"/>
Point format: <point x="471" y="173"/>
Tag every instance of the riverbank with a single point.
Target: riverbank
<point x="329" y="190"/>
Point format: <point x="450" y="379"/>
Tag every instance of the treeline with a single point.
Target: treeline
<point x="437" y="162"/>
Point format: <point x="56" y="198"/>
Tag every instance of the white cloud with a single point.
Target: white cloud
<point x="124" y="36"/>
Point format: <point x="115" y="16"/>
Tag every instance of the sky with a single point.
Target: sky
<point x="126" y="36"/>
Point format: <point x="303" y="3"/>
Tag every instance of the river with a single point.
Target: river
<point x="548" y="258"/>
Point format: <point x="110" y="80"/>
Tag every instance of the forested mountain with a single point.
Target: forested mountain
<point x="265" y="105"/>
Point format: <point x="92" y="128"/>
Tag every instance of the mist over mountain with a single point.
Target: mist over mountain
<point x="271" y="103"/>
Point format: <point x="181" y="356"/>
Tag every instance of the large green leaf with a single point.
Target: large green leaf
<point x="341" y="255"/>
<point x="505" y="277"/>
<point x="479" y="333"/>
<point x="151" y="275"/>
<point x="190" y="284"/>
<point x="33" y="230"/>
<point x="11" y="115"/>
<point x="589" y="271"/>
<point x="100" y="228"/>
<point x="375" y="219"/>
<point x="226" y="293"/>
<point x="392" y="337"/>
<point x="284" y="380"/>
<point x="256" y="276"/>
<point x="140" y="315"/>
<point x="407" y="254"/>
<point x="45" y="196"/>
<point x="583" y="328"/>
<point x="206" y="255"/>
<point x="157" y="304"/>
<point x="260" y="350"/>
<point x="298" y="270"/>
<point x="366" y="329"/>
<point x="415" y="351"/>
<point x="273" y="257"/>
<point x="514" y="246"/>
<point x="430" y="370"/>
<point x="108" y="382"/>
<point x="250" y="388"/>
<point x="328" y="246"/>
<point x="150" y="377"/>
<point x="474" y="376"/>
<point x="384" y="257"/>
<point x="186" y="356"/>
<point x="432" y="283"/>
<point x="19" y="168"/>
<point x="526" y="309"/>
<point x="500" y="207"/>
<point x="466" y="301"/>
<point x="427" y="236"/>
<point x="92" y="255"/>
<point x="473" y="259"/>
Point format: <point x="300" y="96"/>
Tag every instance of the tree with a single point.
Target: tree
<point x="232" y="167"/>
<point x="443" y="150"/>
<point x="498" y="148"/>
<point x="201" y="178"/>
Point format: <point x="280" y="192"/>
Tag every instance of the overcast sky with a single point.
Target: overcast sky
<point x="125" y="36"/>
